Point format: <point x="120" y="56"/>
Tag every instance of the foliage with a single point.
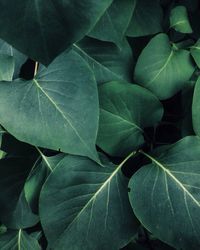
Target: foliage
<point x="99" y="124"/>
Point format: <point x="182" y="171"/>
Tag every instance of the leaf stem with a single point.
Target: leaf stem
<point x="127" y="158"/>
<point x="36" y="68"/>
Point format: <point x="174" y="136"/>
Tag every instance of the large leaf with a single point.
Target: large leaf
<point x="195" y="52"/>
<point x="162" y="68"/>
<point x="179" y="20"/>
<point x="147" y="19"/>
<point x="165" y="194"/>
<point x="57" y="110"/>
<point x="42" y="30"/>
<point x="106" y="60"/>
<point x="83" y="204"/>
<point x="125" y="110"/>
<point x="113" y="24"/>
<point x="196" y="108"/>
<point x="13" y="174"/>
<point x="18" y="240"/>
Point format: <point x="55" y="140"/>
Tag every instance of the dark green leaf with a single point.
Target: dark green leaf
<point x="42" y="30"/>
<point x="162" y="68"/>
<point x="14" y="172"/>
<point x="18" y="240"/>
<point x="125" y="110"/>
<point x="57" y="110"/>
<point x="83" y="204"/>
<point x="147" y="19"/>
<point x="106" y="60"/>
<point x="113" y="24"/>
<point x="165" y="194"/>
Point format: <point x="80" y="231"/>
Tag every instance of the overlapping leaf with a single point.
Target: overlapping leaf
<point x="112" y="25"/>
<point x="147" y="19"/>
<point x="58" y="109"/>
<point x="179" y="20"/>
<point x="45" y="29"/>
<point x="18" y="240"/>
<point x="125" y="110"/>
<point x="106" y="60"/>
<point x="165" y="194"/>
<point x="162" y="68"/>
<point x="83" y="204"/>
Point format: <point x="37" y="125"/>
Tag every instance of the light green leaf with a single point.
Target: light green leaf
<point x="45" y="29"/>
<point x="56" y="110"/>
<point x="15" y="211"/>
<point x="146" y="20"/>
<point x="106" y="60"/>
<point x="125" y="110"/>
<point x="179" y="20"/>
<point x="83" y="204"/>
<point x="162" y="68"/>
<point x="165" y="194"/>
<point x="196" y="107"/>
<point x="195" y="52"/>
<point x="113" y="24"/>
<point x="18" y="240"/>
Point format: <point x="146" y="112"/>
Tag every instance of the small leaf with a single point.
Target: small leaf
<point x="113" y="24"/>
<point x="162" y="68"/>
<point x="146" y="20"/>
<point x="106" y="60"/>
<point x="18" y="240"/>
<point x="56" y="110"/>
<point x="44" y="29"/>
<point x="195" y="52"/>
<point x="83" y="204"/>
<point x="179" y="20"/>
<point x="125" y="110"/>
<point x="165" y="194"/>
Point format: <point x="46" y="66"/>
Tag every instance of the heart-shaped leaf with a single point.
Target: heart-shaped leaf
<point x="83" y="204"/>
<point x="125" y="110"/>
<point x="58" y="109"/>
<point x="55" y="24"/>
<point x="162" y="68"/>
<point x="179" y="20"/>
<point x="165" y="194"/>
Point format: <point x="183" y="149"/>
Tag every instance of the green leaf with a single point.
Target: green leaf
<point x="179" y="20"/>
<point x="162" y="68"/>
<point x="165" y="194"/>
<point x="83" y="204"/>
<point x="14" y="172"/>
<point x="18" y="240"/>
<point x="125" y="110"/>
<point x="106" y="60"/>
<point x="15" y="61"/>
<point x="195" y="52"/>
<point x="196" y="107"/>
<point x="113" y="24"/>
<point x="56" y="110"/>
<point x="45" y="29"/>
<point x="37" y="177"/>
<point x="146" y="20"/>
